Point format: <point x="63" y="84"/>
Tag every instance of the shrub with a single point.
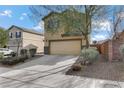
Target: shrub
<point x="89" y="55"/>
<point x="13" y="54"/>
<point x="6" y="61"/>
<point x="23" y="52"/>
<point x="76" y="67"/>
<point x="32" y="52"/>
<point x="1" y="56"/>
<point x="13" y="60"/>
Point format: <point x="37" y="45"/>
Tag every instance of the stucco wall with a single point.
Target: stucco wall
<point x="37" y="40"/>
<point x="104" y="49"/>
<point x="58" y="36"/>
<point x="13" y="42"/>
<point x="64" y="21"/>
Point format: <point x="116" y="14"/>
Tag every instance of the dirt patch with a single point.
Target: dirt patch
<point x="101" y="70"/>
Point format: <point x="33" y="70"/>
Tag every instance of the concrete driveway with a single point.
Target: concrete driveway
<point x="51" y="75"/>
<point x="36" y="69"/>
<point x="38" y="60"/>
<point x="44" y="60"/>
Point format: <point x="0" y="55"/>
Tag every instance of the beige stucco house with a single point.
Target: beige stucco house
<point x="59" y="35"/>
<point x="25" y="38"/>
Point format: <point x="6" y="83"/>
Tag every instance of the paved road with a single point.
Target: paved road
<point x="52" y="76"/>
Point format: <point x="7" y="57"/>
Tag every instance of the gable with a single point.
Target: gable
<point x="14" y="28"/>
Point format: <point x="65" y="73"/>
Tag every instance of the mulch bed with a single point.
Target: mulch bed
<point x="101" y="70"/>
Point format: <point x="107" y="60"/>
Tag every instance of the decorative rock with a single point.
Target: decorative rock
<point x="76" y="67"/>
<point x="87" y="63"/>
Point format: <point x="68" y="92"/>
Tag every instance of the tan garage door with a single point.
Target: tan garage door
<point x="69" y="47"/>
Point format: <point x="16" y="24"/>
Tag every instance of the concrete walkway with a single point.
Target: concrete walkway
<point x="51" y="76"/>
<point x="4" y="69"/>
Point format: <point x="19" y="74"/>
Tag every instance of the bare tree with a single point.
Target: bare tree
<point x="118" y="19"/>
<point x="91" y="12"/>
<point x="115" y="16"/>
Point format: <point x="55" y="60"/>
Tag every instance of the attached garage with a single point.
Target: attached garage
<point x="65" y="47"/>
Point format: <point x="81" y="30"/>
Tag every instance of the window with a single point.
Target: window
<point x="18" y="34"/>
<point x="10" y="35"/>
<point x="53" y="23"/>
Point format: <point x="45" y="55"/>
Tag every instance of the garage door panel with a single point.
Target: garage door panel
<point x="72" y="47"/>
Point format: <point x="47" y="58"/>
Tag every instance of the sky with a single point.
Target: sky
<point x="19" y="15"/>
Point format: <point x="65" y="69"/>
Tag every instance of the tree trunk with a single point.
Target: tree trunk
<point x="87" y="41"/>
<point x="18" y="48"/>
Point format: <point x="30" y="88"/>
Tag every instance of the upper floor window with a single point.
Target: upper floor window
<point x="18" y="34"/>
<point x="10" y="35"/>
<point x="53" y="23"/>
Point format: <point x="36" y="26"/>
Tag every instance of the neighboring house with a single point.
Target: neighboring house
<point x="25" y="38"/>
<point x="110" y="48"/>
<point x="60" y="37"/>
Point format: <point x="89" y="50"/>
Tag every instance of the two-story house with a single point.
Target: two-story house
<point x="24" y="38"/>
<point x="61" y="36"/>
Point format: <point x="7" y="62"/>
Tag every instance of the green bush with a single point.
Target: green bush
<point x="121" y="49"/>
<point x="32" y="52"/>
<point x="1" y="56"/>
<point x="13" y="60"/>
<point x="89" y="54"/>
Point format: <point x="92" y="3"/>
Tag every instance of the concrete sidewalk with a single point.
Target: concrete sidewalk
<point x="52" y="76"/>
<point x="4" y="69"/>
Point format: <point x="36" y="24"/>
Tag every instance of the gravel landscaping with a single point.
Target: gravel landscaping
<point x="101" y="70"/>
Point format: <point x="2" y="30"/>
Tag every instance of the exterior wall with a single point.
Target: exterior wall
<point x="104" y="49"/>
<point x="37" y="40"/>
<point x="116" y="43"/>
<point x="13" y="42"/>
<point x="111" y="48"/>
<point x="110" y="51"/>
<point x="114" y="53"/>
<point x="58" y="36"/>
<point x="115" y="48"/>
